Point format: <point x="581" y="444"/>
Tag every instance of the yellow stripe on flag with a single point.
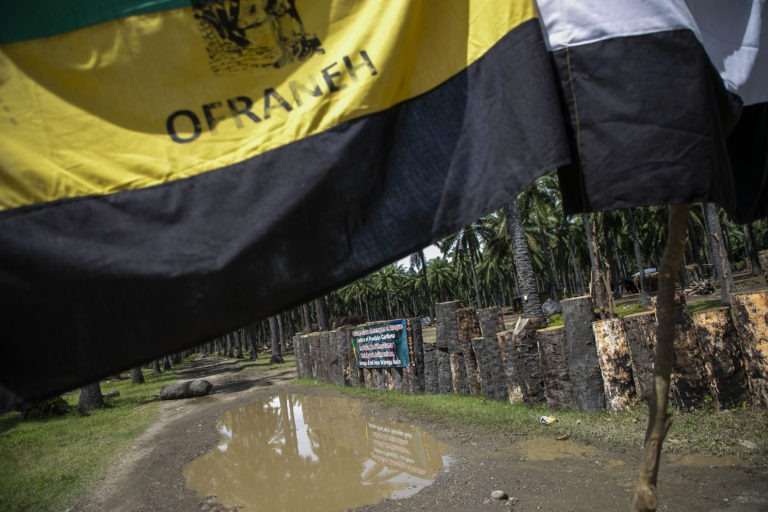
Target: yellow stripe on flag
<point x="154" y="98"/>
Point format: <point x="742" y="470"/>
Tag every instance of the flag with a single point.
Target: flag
<point x="654" y="92"/>
<point x="172" y="170"/>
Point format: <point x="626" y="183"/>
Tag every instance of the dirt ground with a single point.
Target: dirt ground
<point x="147" y="476"/>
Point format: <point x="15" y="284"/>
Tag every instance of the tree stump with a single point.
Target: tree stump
<point x="750" y="311"/>
<point x="446" y="334"/>
<point x="430" y="369"/>
<point x="514" y="391"/>
<point x="379" y="384"/>
<point x="492" y="323"/>
<point x="640" y="330"/>
<point x="720" y="345"/>
<point x="468" y="328"/>
<point x="340" y="345"/>
<point x="690" y="379"/>
<point x="330" y="356"/>
<point x="315" y="354"/>
<point x="553" y="350"/>
<point x="459" y="375"/>
<point x="525" y="353"/>
<point x="615" y="363"/>
<point x="586" y="378"/>
<point x="416" y="371"/>
<point x="397" y="379"/>
<point x="444" y="381"/>
<point x="297" y="353"/>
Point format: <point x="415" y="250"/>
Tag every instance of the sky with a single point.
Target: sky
<point x="430" y="252"/>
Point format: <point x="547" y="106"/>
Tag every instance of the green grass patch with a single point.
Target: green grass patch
<point x="704" y="431"/>
<point x="555" y="320"/>
<point x="705" y="304"/>
<point x="47" y="463"/>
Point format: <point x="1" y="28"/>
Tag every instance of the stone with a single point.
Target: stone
<point x="749" y="445"/>
<point x="186" y="389"/>
<point x="551" y="307"/>
<point x="112" y="394"/>
<point x="499" y="495"/>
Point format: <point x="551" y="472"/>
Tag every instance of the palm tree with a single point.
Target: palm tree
<point x="718" y="252"/>
<point x="419" y="262"/>
<point x="638" y="258"/>
<point x="441" y="277"/>
<point x="274" y="338"/>
<point x="464" y="244"/>
<point x="521" y="252"/>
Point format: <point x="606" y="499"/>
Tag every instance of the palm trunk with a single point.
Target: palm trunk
<point x="273" y="336"/>
<point x="645" y="498"/>
<point x="594" y="259"/>
<point x="553" y="285"/>
<point x="522" y="256"/>
<point x="474" y="279"/>
<point x="281" y="333"/>
<point x="644" y="300"/>
<point x="90" y="397"/>
<point x="137" y="376"/>
<point x="718" y="252"/>
<point x="322" y="313"/>
<point x="430" y="306"/>
<point x="305" y="318"/>
<point x="751" y="253"/>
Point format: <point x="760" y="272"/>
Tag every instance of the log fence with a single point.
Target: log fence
<point x="588" y="365"/>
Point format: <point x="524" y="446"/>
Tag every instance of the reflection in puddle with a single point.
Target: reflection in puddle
<point x="295" y="452"/>
<point x="704" y="460"/>
<point x="544" y="448"/>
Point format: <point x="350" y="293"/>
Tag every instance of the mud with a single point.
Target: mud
<point x="537" y="473"/>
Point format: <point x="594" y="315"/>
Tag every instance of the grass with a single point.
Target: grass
<point x="703" y="431"/>
<point x="705" y="304"/>
<point x="46" y="463"/>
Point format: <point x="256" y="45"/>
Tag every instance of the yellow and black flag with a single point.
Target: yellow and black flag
<point x="173" y="169"/>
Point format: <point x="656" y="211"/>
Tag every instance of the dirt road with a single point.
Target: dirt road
<point x="147" y="476"/>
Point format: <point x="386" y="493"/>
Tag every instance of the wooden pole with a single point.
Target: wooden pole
<point x="468" y="328"/>
<point x="588" y="389"/>
<point x="526" y="358"/>
<point x="722" y="351"/>
<point x="750" y="311"/>
<point x="615" y="363"/>
<point x="430" y="369"/>
<point x="514" y="391"/>
<point x="553" y="350"/>
<point x="645" y="499"/>
<point x="492" y="323"/>
<point x="416" y="370"/>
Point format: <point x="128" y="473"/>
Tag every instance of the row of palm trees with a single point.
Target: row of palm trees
<point x="522" y="254"/>
<point x="479" y="266"/>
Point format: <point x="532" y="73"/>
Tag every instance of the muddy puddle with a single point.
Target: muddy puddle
<point x="299" y="453"/>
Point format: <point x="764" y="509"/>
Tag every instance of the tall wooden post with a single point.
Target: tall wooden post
<point x="750" y="311"/>
<point x="721" y="347"/>
<point x="468" y="328"/>
<point x="553" y="350"/>
<point x="430" y="369"/>
<point x="492" y="323"/>
<point x="615" y="363"/>
<point x="588" y="389"/>
<point x="526" y="357"/>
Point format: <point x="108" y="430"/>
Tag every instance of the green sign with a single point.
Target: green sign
<point x="385" y="345"/>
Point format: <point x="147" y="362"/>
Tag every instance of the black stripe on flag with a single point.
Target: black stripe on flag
<point x="99" y="284"/>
